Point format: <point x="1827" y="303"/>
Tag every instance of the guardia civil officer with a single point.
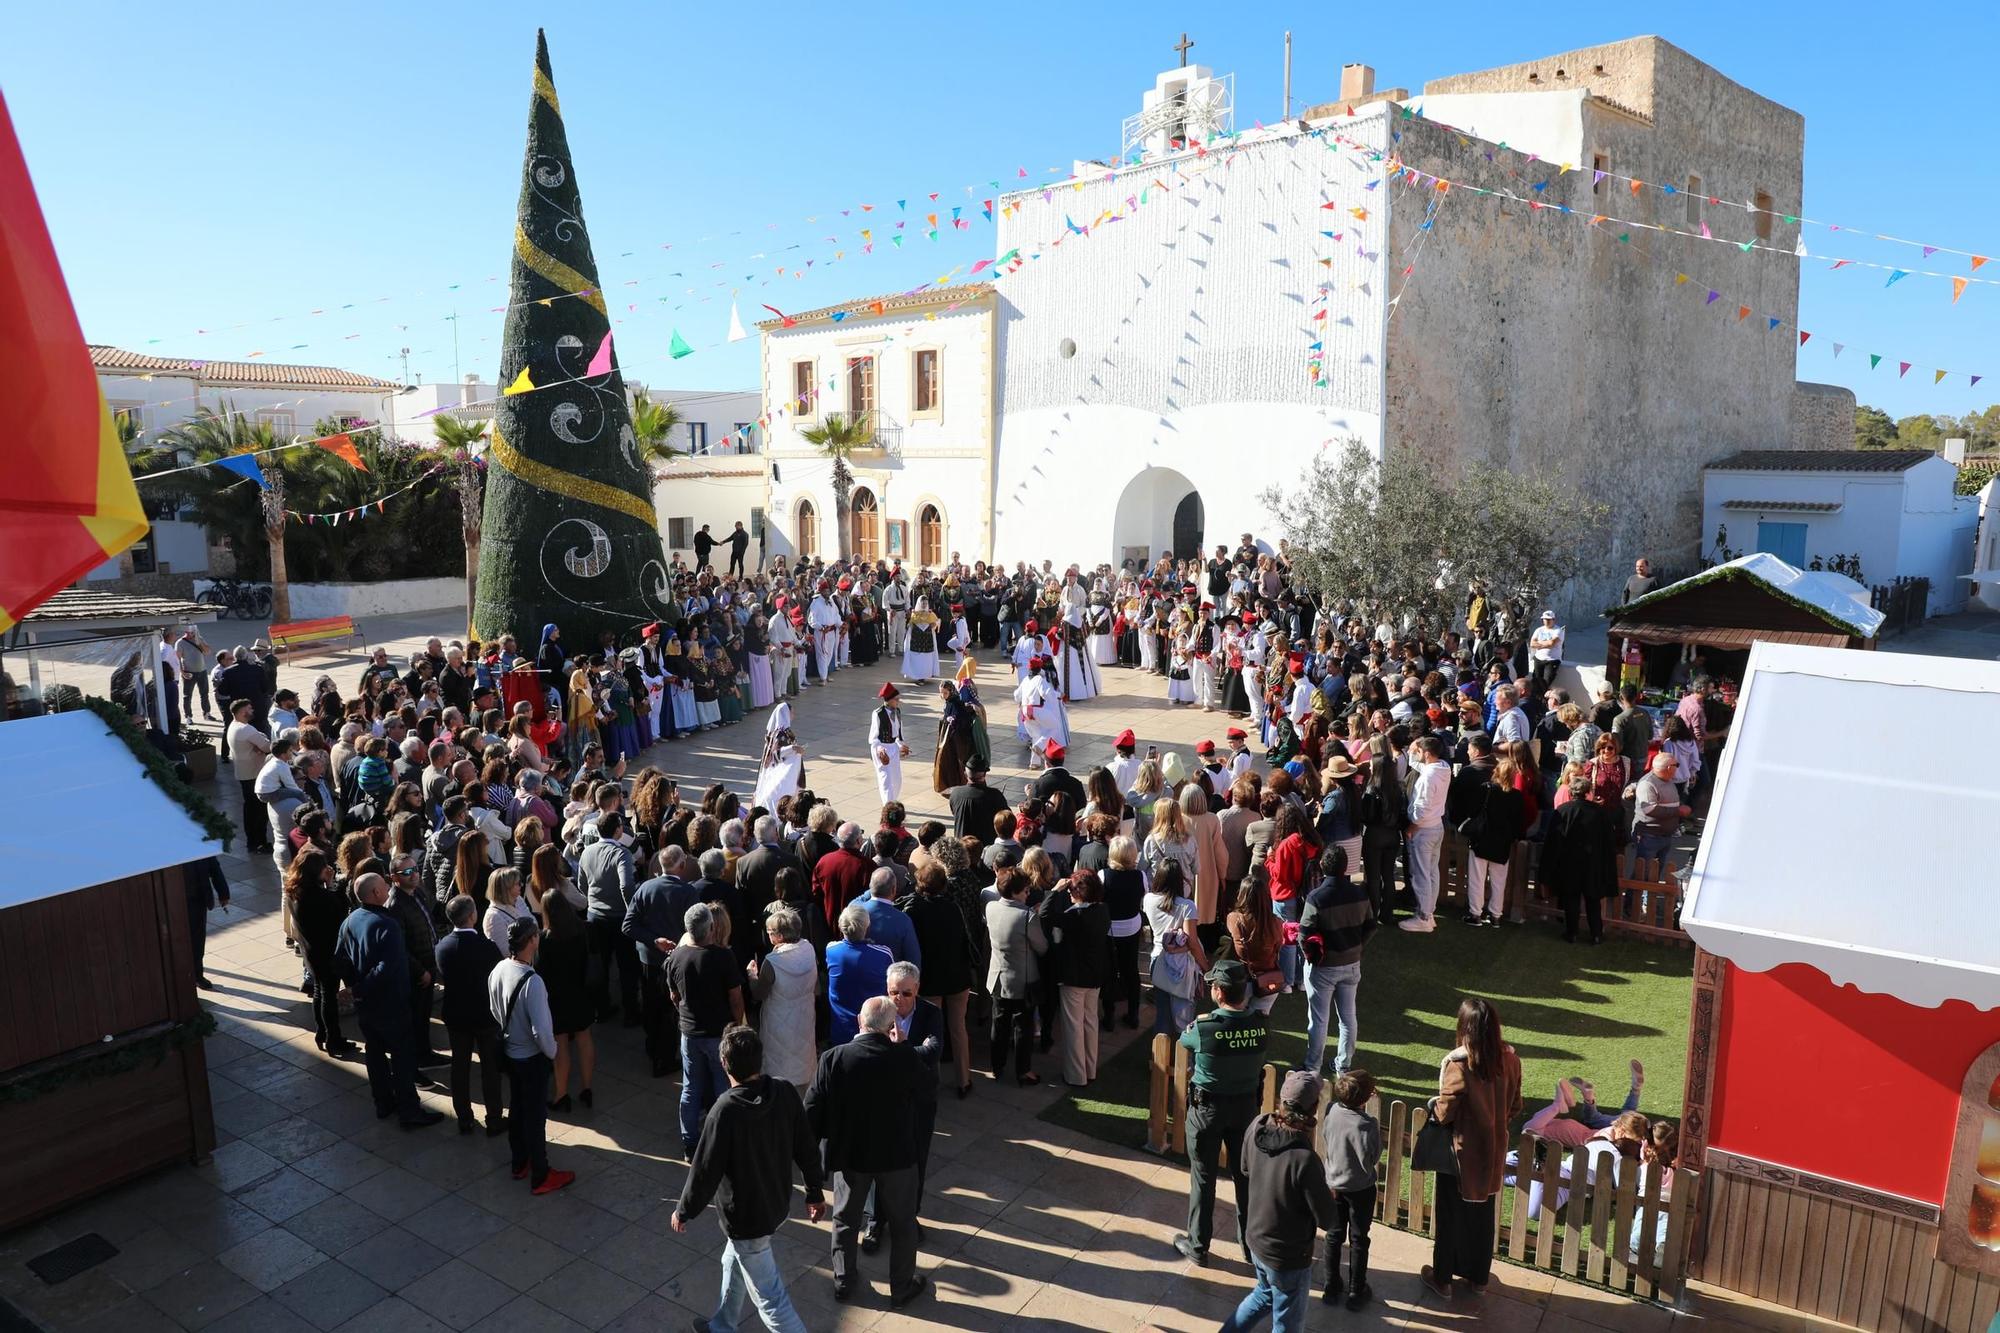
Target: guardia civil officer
<point x="1223" y="1087"/>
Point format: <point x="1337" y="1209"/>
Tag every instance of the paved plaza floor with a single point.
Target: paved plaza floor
<point x="312" y="1214"/>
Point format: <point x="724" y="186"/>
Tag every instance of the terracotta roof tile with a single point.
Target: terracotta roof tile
<point x="966" y="291"/>
<point x="269" y="373"/>
<point x="1822" y="460"/>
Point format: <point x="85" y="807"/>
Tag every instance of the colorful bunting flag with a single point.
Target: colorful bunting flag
<point x="245" y="465"/>
<point x="1938" y="377"/>
<point x="1957" y="289"/>
<point x="1905" y="369"/>
<point x="736" y="331"/>
<point x="522" y="384"/>
<point x="678" y="346"/>
<point x="342" y="447"/>
<point x="1895" y="277"/>
<point x="600" y="362"/>
<point x="1874" y="360"/>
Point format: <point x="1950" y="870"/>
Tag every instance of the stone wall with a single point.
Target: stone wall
<point x="1822" y="417"/>
<point x="1530" y="339"/>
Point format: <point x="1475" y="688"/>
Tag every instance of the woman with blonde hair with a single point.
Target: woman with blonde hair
<point x="1211" y="857"/>
<point x="1146" y="789"/>
<point x="504" y="906"/>
<point x="564" y="964"/>
<point x="1170" y="839"/>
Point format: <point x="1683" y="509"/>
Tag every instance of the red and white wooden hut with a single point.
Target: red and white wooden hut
<point x="1843" y="1094"/>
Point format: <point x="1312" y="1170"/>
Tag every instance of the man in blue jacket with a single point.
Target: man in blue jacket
<point x="888" y="924"/>
<point x="465" y="960"/>
<point x="654" y="919"/>
<point x="373" y="962"/>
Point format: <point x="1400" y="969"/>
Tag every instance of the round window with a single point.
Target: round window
<point x="1066" y="348"/>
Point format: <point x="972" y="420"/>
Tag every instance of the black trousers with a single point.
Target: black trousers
<point x="736" y="559"/>
<point x="528" y="1115"/>
<point x="1591" y="906"/>
<point x="609" y="948"/>
<point x="1048" y="1001"/>
<point x="197" y="932"/>
<point x="485" y="1043"/>
<point x="1124" y="978"/>
<point x="1353" y="1212"/>
<point x="421" y="995"/>
<point x="895" y="1194"/>
<point x="392" y="1065"/>
<point x="1214" y="1123"/>
<point x="1013" y="1030"/>
<point x="256" y="819"/>
<point x="1463" y="1243"/>
<point x="663" y="1027"/>
<point x="1541" y="676"/>
<point x="325" y="1001"/>
<point x="1378" y="869"/>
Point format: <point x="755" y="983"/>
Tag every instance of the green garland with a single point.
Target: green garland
<point x="161" y="770"/>
<point x="149" y="1050"/>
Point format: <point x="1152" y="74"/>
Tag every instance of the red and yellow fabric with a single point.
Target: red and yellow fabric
<point x="67" y="502"/>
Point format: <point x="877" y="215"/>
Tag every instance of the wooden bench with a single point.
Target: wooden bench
<point x="304" y="634"/>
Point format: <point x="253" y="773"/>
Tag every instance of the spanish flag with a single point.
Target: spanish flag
<point x="67" y="502"/>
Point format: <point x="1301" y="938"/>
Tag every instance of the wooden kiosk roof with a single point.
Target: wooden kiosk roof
<point x="1754" y="597"/>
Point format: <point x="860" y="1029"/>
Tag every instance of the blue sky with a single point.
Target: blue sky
<point x="212" y="166"/>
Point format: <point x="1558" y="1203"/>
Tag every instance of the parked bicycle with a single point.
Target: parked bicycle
<point x="234" y="597"/>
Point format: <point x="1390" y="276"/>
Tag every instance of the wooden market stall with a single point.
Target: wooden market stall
<point x="101" y="1068"/>
<point x="1843" y="1086"/>
<point x="1718" y="613"/>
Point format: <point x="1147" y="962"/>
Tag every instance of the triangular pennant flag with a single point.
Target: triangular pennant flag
<point x="1804" y="337"/>
<point x="600" y="362"/>
<point x="1975" y="379"/>
<point x="1874" y="360"/>
<point x="1711" y="298"/>
<point x="678" y="347"/>
<point x="521" y="384"/>
<point x="1977" y="260"/>
<point x="342" y="447"/>
<point x="1896" y="277"/>
<point x="1938" y="377"/>
<point x="1905" y="369"/>
<point x="1680" y="278"/>
<point x="1840" y="264"/>
<point x="877" y="306"/>
<point x="896" y="241"/>
<point x="1929" y="250"/>
<point x="1957" y="289"/>
<point x="736" y="331"/>
<point x="245" y="465"/>
<point x="1742" y="312"/>
<point x="1773" y="324"/>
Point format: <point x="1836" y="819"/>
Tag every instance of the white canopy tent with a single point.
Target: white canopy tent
<point x="1853" y="824"/>
<point x="81" y="810"/>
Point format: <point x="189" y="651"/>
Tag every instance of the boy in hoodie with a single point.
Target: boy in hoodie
<point x="1350" y="1142"/>
<point x="1289" y="1206"/>
<point x="751" y="1139"/>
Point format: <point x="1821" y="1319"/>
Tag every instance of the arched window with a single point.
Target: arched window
<point x="866" y="524"/>
<point x="807" y="529"/>
<point x="930" y="537"/>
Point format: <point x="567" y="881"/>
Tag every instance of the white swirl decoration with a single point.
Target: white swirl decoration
<point x="628" y="445"/>
<point x="597" y="560"/>
<point x="563" y="419"/>
<point x="549" y="172"/>
<point x="656" y="588"/>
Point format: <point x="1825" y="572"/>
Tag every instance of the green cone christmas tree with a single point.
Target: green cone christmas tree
<point x="569" y="536"/>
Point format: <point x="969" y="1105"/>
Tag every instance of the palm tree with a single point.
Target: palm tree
<point x="465" y="441"/>
<point x="210" y="435"/>
<point x="652" y="424"/>
<point x="838" y="437"/>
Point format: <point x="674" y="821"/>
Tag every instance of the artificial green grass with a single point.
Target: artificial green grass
<point x="1566" y="1009"/>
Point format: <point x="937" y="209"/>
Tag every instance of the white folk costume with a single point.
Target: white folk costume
<point x="824" y="622"/>
<point x="1180" y="663"/>
<point x="896" y="606"/>
<point x="1026" y="650"/>
<point x="960" y="641"/>
<point x="760" y="686"/>
<point x="885" y="747"/>
<point x="1042" y="715"/>
<point x="784" y="655"/>
<point x="1124" y="770"/>
<point x="920" y="643"/>
<point x="680" y="693"/>
<point x="782" y="770"/>
<point x="1074" y="668"/>
<point x="1103" y="643"/>
<point x="1203" y="643"/>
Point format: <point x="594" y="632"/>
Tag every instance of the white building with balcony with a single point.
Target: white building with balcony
<point x="920" y="367"/>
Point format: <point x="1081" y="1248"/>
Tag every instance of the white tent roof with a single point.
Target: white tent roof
<point x="1853" y="821"/>
<point x="81" y="810"/>
<point x="1828" y="593"/>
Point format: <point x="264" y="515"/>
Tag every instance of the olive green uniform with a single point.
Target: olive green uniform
<point x="1223" y="1088"/>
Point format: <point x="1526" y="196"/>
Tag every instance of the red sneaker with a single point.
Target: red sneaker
<point x="520" y="1173"/>
<point x="554" y="1181"/>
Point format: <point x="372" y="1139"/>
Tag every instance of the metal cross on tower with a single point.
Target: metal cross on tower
<point x="1183" y="47"/>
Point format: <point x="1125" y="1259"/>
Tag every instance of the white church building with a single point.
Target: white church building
<point x="1167" y="335"/>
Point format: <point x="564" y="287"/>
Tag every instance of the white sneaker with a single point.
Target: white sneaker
<point x="1422" y="925"/>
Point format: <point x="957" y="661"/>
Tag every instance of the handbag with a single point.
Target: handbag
<point x="1433" y="1150"/>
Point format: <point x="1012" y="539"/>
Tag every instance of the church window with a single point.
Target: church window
<point x="802" y="388"/>
<point x="924" y="387"/>
<point x="1763" y="216"/>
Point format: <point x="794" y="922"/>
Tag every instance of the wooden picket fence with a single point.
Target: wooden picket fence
<point x="1590" y="1238"/>
<point x="1647" y="904"/>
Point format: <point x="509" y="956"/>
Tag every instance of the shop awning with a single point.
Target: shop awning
<point x="1852" y="834"/>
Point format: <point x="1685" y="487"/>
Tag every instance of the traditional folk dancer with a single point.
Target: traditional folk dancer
<point x="1027" y="648"/>
<point x="653" y="674"/>
<point x="680" y="687"/>
<point x="784" y="655"/>
<point x="823" y="621"/>
<point x="896" y="606"/>
<point x="960" y="641"/>
<point x="1076" y="670"/>
<point x="1202" y="645"/>
<point x="1124" y="768"/>
<point x="968" y="695"/>
<point x="1042" y="714"/>
<point x="886" y="749"/>
<point x="757" y="660"/>
<point x="1103" y="643"/>
<point x="1180" y="660"/>
<point x="782" y="770"/>
<point x="844" y="601"/>
<point x="920" y="658"/>
<point x="1240" y="759"/>
<point x="1235" y="698"/>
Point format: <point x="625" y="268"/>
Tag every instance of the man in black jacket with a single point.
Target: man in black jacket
<point x="750" y="1140"/>
<point x="1467" y="792"/>
<point x="757" y="872"/>
<point x="1290" y="1205"/>
<point x="974" y="804"/>
<point x="863" y="1107"/>
<point x="919" y="1025"/>
<point x="654" y="920"/>
<point x="1055" y="778"/>
<point x="465" y="959"/>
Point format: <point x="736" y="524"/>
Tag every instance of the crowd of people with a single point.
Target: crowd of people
<point x="490" y="822"/>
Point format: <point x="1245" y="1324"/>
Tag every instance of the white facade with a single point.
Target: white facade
<point x="1169" y="352"/>
<point x="714" y="422"/>
<point x="928" y="474"/>
<point x="1985" y="576"/>
<point x="1900" y="523"/>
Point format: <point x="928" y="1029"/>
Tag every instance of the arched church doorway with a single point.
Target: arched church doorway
<point x="1187" y="526"/>
<point x="1159" y="513"/>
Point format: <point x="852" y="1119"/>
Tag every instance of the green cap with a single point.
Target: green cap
<point x="1229" y="972"/>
